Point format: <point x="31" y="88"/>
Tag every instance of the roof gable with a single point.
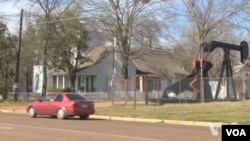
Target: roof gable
<point x="95" y="56"/>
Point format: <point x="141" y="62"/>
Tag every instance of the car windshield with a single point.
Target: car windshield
<point x="75" y="97"/>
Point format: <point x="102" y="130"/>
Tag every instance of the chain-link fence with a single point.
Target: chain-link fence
<point x="28" y="97"/>
<point x="181" y="91"/>
<point x="127" y="91"/>
<point x="23" y="97"/>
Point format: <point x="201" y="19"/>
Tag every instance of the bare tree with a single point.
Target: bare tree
<point x="211" y="20"/>
<point x="208" y="20"/>
<point x="119" y="19"/>
<point x="146" y="35"/>
<point x="50" y="8"/>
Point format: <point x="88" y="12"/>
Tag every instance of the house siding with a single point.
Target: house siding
<point x="103" y="73"/>
<point x="98" y="78"/>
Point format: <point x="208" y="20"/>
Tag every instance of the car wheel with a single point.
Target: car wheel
<point x="61" y="114"/>
<point x="32" y="112"/>
<point x="84" y="116"/>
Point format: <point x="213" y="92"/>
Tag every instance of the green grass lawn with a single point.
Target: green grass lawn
<point x="225" y="112"/>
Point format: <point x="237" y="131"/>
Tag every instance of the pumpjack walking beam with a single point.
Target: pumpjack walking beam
<point x="242" y="48"/>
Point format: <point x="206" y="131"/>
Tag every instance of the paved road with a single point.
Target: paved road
<point x="19" y="127"/>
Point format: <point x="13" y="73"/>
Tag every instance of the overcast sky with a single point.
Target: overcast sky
<point x="10" y="14"/>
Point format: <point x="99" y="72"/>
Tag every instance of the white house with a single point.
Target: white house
<point x="96" y="75"/>
<point x="105" y="65"/>
<point x="37" y="79"/>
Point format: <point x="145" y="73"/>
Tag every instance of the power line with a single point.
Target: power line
<point x="8" y="15"/>
<point x="37" y="15"/>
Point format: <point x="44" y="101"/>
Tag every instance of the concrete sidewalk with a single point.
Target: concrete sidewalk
<point x="177" y="122"/>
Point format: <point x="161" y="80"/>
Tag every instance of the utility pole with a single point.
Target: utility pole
<point x="114" y="57"/>
<point x="202" y="94"/>
<point x="16" y="85"/>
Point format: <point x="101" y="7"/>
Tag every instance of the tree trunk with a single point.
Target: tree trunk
<point x="72" y="82"/>
<point x="125" y="54"/>
<point x="5" y="84"/>
<point x="44" y="87"/>
<point x="125" y="69"/>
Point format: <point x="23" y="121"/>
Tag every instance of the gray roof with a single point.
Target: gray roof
<point x="94" y="56"/>
<point x="157" y="62"/>
<point x="154" y="62"/>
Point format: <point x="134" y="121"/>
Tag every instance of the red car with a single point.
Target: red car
<point x="61" y="105"/>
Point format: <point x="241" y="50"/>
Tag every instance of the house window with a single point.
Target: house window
<point x="137" y="83"/>
<point x="79" y="82"/>
<point x="92" y="83"/>
<point x="54" y="81"/>
<point x="87" y="84"/>
<point x="154" y="84"/>
<point x="82" y="80"/>
<point x="105" y="83"/>
<point x="81" y="85"/>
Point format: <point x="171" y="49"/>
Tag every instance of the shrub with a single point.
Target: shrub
<point x="66" y="90"/>
<point x="59" y="90"/>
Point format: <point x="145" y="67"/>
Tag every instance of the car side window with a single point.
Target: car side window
<point x="48" y="98"/>
<point x="59" y="98"/>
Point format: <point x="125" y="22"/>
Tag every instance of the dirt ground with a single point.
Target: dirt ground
<point x="103" y="103"/>
<point x="22" y="105"/>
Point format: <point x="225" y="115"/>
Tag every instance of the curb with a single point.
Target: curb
<point x="176" y="122"/>
<point x="194" y="123"/>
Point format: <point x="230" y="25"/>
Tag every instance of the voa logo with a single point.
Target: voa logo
<point x="236" y="132"/>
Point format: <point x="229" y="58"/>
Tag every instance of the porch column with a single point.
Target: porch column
<point x="141" y="83"/>
<point x="57" y="81"/>
<point x="63" y="79"/>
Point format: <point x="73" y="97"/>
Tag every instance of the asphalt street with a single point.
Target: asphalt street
<point x="19" y="127"/>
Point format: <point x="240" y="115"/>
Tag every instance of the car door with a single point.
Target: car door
<point x="43" y="107"/>
<point x="56" y="104"/>
<point x="50" y="108"/>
